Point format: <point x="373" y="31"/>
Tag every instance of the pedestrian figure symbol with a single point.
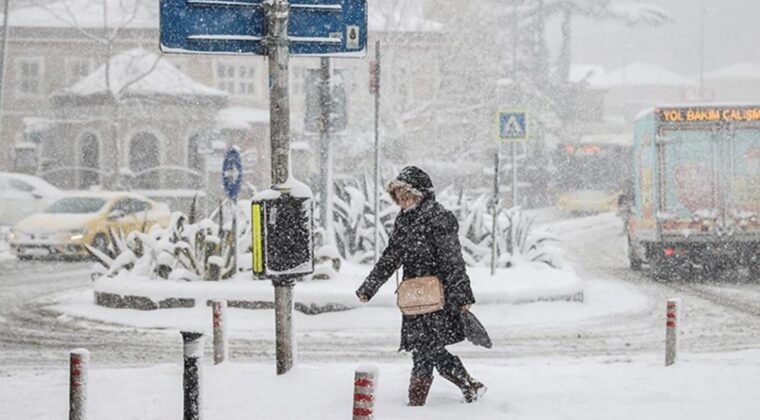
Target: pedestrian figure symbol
<point x="512" y="125"/>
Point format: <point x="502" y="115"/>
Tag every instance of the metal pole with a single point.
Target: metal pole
<point x="325" y="111"/>
<point x="279" y="101"/>
<point x="365" y="380"/>
<point x="3" y="55"/>
<point x="701" y="49"/>
<point x="79" y="360"/>
<point x="514" y="173"/>
<point x="192" y="351"/>
<point x="495" y="205"/>
<point x="671" y="330"/>
<point x="278" y="12"/>
<point x="219" y="323"/>
<point x="234" y="236"/>
<point x="376" y="242"/>
<point x="514" y="40"/>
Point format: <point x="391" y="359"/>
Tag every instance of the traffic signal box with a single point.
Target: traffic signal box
<point x="283" y="239"/>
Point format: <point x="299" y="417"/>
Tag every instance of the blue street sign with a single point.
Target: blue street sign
<point x="335" y="28"/>
<point x="232" y="172"/>
<point x="512" y="125"/>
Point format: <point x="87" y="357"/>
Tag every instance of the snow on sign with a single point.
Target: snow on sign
<point x="334" y="28"/>
<point x="512" y="125"/>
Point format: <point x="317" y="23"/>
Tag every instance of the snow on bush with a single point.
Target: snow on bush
<point x="183" y="251"/>
<point x="354" y="227"/>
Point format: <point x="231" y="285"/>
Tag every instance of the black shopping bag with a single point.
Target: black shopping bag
<point x="475" y="332"/>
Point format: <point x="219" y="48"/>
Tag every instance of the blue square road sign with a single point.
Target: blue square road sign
<point x="512" y="125"/>
<point x="334" y="28"/>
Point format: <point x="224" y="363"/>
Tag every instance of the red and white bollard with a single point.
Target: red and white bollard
<point x="219" y="311"/>
<point x="365" y="379"/>
<point x="78" y="366"/>
<point x="672" y="323"/>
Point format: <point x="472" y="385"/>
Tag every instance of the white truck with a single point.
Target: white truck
<point x="695" y="190"/>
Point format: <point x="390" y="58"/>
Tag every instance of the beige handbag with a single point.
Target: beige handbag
<point x="420" y="295"/>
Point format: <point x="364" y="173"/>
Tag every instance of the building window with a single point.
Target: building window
<point x="77" y="68"/>
<point x="29" y="76"/>
<point x="236" y="78"/>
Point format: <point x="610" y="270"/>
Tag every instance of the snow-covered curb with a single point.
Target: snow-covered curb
<point x="521" y="284"/>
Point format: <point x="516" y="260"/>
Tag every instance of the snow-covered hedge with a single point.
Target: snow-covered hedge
<point x="354" y="227"/>
<point x="184" y="250"/>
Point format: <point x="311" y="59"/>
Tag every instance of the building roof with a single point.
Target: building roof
<point x="139" y="72"/>
<point x="87" y="14"/>
<point x="736" y="71"/>
<point x="240" y="118"/>
<point x="643" y="74"/>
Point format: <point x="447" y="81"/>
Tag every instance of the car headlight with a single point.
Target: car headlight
<point x="75" y="234"/>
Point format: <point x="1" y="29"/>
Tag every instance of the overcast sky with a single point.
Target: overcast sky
<point x="731" y="33"/>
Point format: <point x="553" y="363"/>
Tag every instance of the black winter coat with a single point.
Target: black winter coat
<point x="425" y="242"/>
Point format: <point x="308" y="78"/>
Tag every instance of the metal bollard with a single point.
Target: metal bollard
<point x="219" y="311"/>
<point x="193" y="353"/>
<point x="365" y="379"/>
<point x="79" y="361"/>
<point x="671" y="330"/>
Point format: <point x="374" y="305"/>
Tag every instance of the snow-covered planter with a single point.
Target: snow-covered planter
<point x="326" y="263"/>
<point x="182" y="251"/>
<point x="475" y="216"/>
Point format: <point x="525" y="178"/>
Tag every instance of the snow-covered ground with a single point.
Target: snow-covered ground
<point x="698" y="387"/>
<point x="601" y="358"/>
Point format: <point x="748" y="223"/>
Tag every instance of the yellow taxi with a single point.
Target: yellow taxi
<point x="80" y="218"/>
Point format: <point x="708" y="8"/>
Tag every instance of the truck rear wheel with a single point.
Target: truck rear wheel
<point x="634" y="261"/>
<point x="659" y="269"/>
<point x="754" y="271"/>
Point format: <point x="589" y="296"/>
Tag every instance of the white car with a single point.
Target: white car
<point x="22" y="195"/>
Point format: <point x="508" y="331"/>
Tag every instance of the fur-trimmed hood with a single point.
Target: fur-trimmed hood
<point x="413" y="179"/>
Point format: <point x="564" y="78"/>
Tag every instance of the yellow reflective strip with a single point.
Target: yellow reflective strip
<point x="257" y="239"/>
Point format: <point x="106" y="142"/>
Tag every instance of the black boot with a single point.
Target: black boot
<point x="419" y="386"/>
<point x="457" y="374"/>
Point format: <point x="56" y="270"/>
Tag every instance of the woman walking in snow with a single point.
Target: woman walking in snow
<point x="425" y="242"/>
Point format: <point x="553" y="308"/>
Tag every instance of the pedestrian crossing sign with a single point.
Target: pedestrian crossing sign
<point x="512" y="125"/>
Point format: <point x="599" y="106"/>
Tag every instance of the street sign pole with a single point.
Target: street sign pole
<point x="325" y="149"/>
<point x="495" y="209"/>
<point x="376" y="84"/>
<point x="278" y="12"/>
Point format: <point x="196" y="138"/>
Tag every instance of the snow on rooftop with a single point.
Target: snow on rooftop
<point x="643" y="74"/>
<point x="737" y="71"/>
<point x="150" y="73"/>
<point x="391" y="16"/>
<point x="87" y="14"/>
<point x="240" y="118"/>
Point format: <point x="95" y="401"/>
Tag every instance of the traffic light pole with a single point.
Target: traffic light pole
<point x="278" y="12"/>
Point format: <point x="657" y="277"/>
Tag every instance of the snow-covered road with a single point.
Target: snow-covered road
<point x="718" y="316"/>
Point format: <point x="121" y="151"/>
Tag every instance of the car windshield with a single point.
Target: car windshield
<point x="77" y="205"/>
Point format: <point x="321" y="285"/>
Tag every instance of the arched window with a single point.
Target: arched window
<point x="144" y="161"/>
<point x="88" y="161"/>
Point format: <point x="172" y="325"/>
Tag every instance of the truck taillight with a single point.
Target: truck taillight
<point x="670" y="252"/>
